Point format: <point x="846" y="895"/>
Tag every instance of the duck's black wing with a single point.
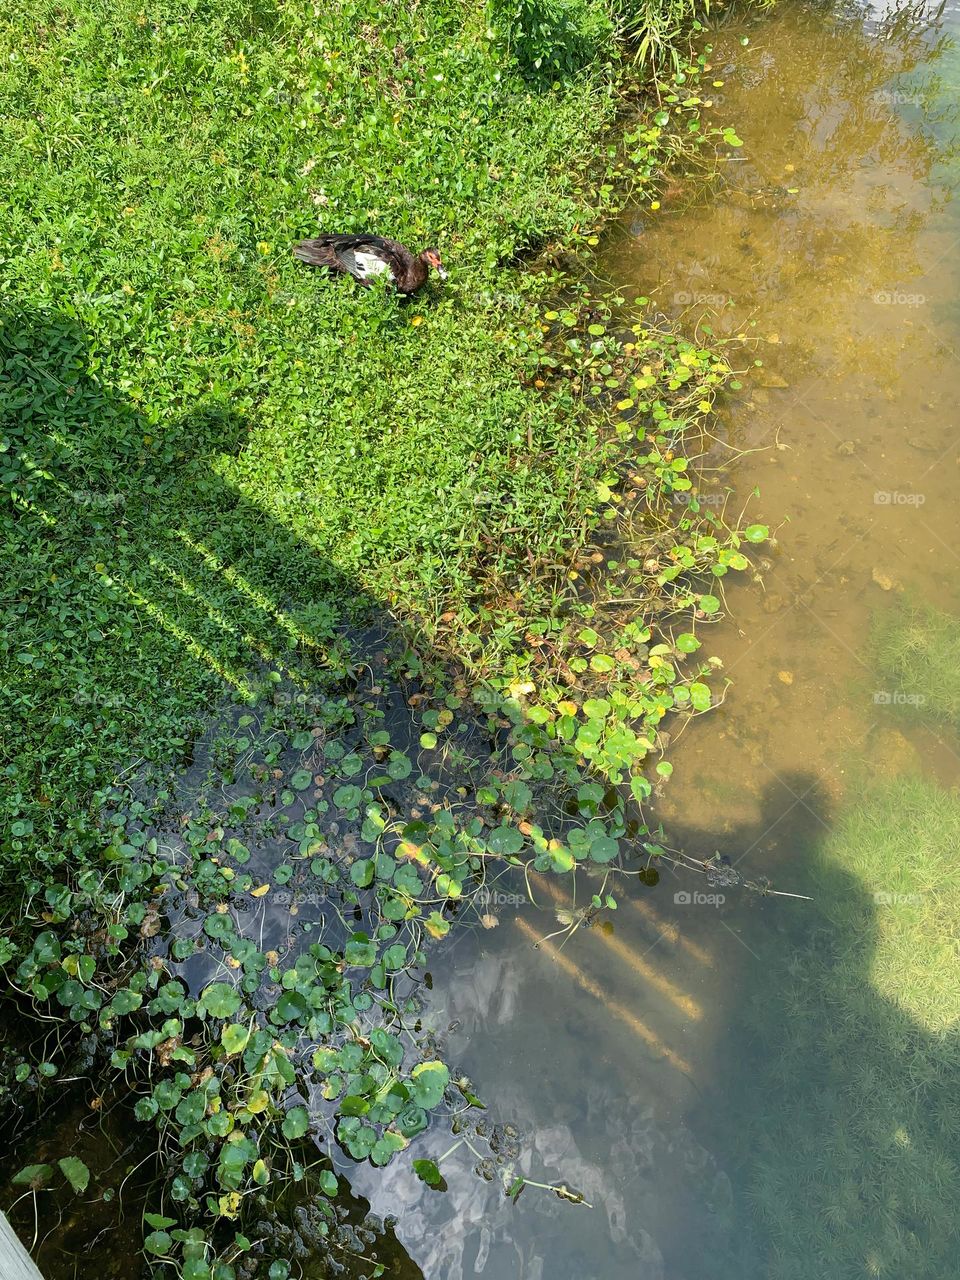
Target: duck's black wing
<point x="344" y="248"/>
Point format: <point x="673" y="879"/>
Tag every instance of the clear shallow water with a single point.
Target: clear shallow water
<point x="625" y="1057"/>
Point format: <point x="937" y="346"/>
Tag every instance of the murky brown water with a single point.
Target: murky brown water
<point x="831" y="244"/>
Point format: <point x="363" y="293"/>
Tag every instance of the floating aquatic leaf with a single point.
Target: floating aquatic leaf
<point x="603" y="849"/>
<point x="347" y="797"/>
<point x="33" y="1176"/>
<point x="158" y="1243"/>
<point x="427" y="1082"/>
<point x="427" y="1172"/>
<point x="291" y="1006"/>
<point x="220" y="1000"/>
<point x="505" y="841"/>
<point x="362" y="872"/>
<point x="234" y="1037"/>
<point x="295" y="1123"/>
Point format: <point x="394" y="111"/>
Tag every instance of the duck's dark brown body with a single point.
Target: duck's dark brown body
<point x="365" y="256"/>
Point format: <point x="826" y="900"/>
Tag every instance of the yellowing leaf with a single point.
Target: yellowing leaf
<point x="229" y="1205"/>
<point x="567" y="708"/>
<point x="436" y="926"/>
<point x="259" y="891"/>
<point x="407" y="849"/>
<point x="521" y="687"/>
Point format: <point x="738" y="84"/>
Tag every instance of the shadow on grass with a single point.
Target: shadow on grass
<point x="141" y="589"/>
<point x="138" y="585"/>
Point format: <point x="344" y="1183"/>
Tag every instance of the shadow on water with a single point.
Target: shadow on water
<point x="726" y="1082"/>
<point x="840" y="1073"/>
<point x="603" y="1046"/>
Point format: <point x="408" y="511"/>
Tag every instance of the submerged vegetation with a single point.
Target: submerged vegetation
<point x="853" y="1165"/>
<point x="916" y="651"/>
<point x="377" y="537"/>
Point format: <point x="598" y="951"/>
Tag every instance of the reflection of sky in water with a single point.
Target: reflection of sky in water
<point x="589" y="1116"/>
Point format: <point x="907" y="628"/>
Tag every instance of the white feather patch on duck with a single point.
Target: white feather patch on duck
<point x="364" y="264"/>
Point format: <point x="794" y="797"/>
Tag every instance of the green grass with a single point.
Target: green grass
<point x="210" y="454"/>
<point x="852" y="1133"/>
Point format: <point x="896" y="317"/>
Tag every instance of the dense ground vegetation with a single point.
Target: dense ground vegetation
<point x="207" y="448"/>
<point x="227" y="477"/>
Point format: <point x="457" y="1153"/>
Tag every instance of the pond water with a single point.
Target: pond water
<point x="719" y="1074"/>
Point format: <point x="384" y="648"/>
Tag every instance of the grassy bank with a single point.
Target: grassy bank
<point x="365" y="520"/>
<point x="208" y="450"/>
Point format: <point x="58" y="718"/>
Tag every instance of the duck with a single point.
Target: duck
<point x="365" y="257"/>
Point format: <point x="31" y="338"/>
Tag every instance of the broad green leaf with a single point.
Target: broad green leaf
<point x="427" y="1083"/>
<point x="234" y="1037"/>
<point x="427" y="1172"/>
<point x="295" y="1123"/>
<point x="75" y="1172"/>
<point x="220" y="999"/>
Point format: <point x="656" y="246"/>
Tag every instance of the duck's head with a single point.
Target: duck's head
<point x="432" y="258"/>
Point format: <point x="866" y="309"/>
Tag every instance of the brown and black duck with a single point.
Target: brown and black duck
<point x="365" y="257"/>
